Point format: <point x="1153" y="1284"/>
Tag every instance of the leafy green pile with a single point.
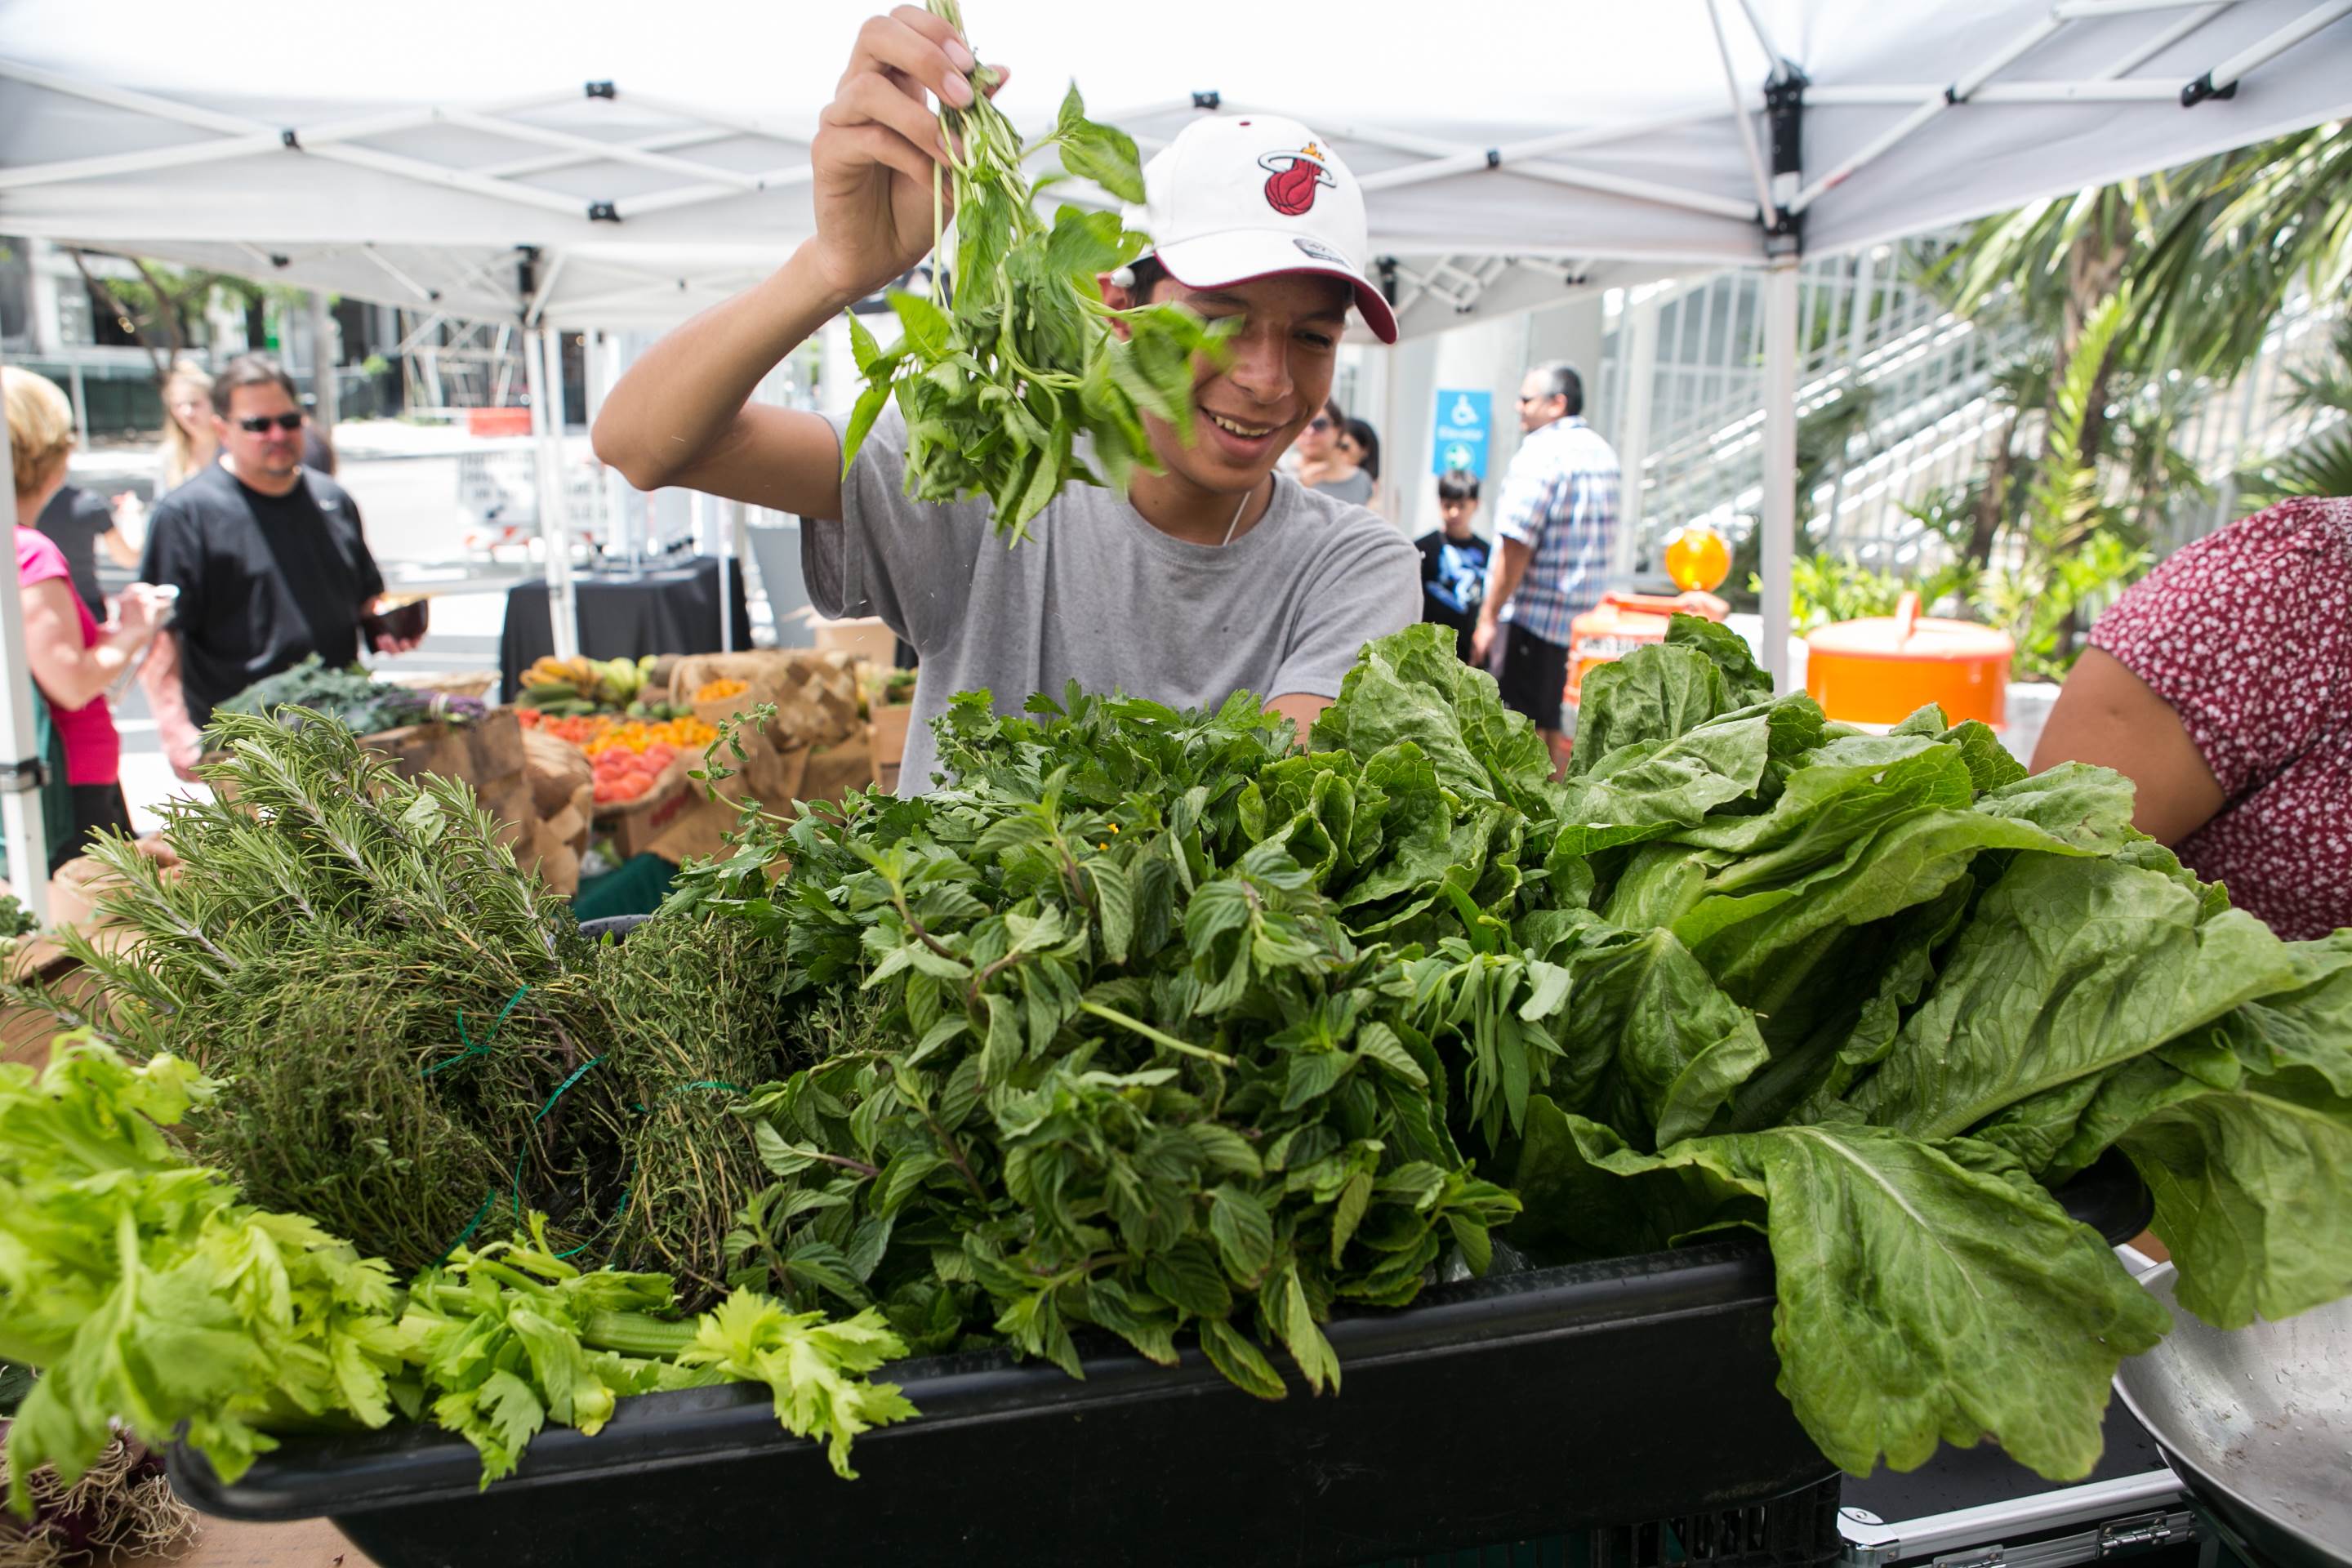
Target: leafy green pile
<point x="143" y="1288"/>
<point x="999" y="387"/>
<point x="1153" y="1024"/>
<point x="1873" y="996"/>
<point x="352" y="697"/>
<point x="1147" y="1023"/>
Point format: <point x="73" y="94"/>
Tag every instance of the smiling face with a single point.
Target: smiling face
<point x="1274" y="386"/>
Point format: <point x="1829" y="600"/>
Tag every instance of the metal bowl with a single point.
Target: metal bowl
<point x="2258" y="1423"/>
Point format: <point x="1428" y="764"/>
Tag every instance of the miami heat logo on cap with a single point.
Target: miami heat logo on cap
<point x="1291" y="179"/>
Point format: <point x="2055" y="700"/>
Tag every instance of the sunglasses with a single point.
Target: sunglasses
<point x="289" y="422"/>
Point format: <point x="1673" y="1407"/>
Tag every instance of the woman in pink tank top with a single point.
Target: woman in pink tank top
<point x="73" y="658"/>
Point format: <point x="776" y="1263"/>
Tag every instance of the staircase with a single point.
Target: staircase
<point x="1927" y="377"/>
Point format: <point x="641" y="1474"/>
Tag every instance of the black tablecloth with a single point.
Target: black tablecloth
<point x="624" y="614"/>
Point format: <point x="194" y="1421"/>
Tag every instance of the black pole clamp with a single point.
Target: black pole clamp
<point x="1784" y="112"/>
<point x="2197" y="91"/>
<point x="29" y="776"/>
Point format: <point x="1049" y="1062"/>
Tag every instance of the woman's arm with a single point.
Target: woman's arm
<point x="69" y="675"/>
<point x="2106" y="715"/>
<point x="158" y="678"/>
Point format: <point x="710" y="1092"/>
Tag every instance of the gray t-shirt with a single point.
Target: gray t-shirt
<point x="1356" y="487"/>
<point x="1098" y="595"/>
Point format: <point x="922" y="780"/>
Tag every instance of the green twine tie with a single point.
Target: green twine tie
<point x="471" y="1048"/>
<point x="516" y="1182"/>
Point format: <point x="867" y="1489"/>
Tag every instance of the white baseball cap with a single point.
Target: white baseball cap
<point x="1242" y="197"/>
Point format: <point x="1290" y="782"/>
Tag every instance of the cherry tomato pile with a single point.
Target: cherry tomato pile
<point x="623" y="774"/>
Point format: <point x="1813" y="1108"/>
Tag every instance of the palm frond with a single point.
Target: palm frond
<point x="2322" y="466"/>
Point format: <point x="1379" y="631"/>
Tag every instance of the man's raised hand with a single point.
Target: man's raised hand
<point x="876" y="145"/>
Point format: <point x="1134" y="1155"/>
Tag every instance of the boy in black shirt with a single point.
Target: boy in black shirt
<point x="267" y="556"/>
<point x="1454" y="560"/>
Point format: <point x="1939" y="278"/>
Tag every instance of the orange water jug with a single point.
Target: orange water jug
<point x="1620" y="622"/>
<point x="1884" y="669"/>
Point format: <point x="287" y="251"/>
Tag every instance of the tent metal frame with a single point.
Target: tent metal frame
<point x="1783" y="194"/>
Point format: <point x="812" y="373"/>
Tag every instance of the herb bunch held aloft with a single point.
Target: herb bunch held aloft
<point x="999" y="384"/>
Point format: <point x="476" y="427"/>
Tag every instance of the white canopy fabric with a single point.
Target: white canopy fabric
<point x="1512" y="151"/>
<point x="403" y="153"/>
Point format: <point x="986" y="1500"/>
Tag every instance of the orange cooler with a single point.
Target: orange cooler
<point x="1620" y="622"/>
<point x="1882" y="670"/>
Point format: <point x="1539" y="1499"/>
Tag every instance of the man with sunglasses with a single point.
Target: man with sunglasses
<point x="268" y="557"/>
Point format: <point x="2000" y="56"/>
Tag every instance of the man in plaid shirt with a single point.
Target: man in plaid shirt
<point x="1557" y="519"/>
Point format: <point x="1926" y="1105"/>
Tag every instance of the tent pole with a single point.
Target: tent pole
<point x="326" y="397"/>
<point x="2224" y="76"/>
<point x="551" y="347"/>
<point x="547" y="426"/>
<point x="20" y="795"/>
<point x="1780" y="520"/>
<point x="726" y="530"/>
<point x="1638" y="331"/>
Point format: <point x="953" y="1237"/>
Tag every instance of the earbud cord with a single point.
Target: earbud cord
<point x="1246" y="497"/>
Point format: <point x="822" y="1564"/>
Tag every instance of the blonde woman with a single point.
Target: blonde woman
<point x="189" y="443"/>
<point x="73" y="658"/>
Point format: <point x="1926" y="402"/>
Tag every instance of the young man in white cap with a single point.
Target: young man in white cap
<point x="1215" y="576"/>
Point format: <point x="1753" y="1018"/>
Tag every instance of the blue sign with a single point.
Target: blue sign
<point x="1458" y="434"/>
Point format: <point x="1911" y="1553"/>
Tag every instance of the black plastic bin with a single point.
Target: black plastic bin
<point x="1617" y="1415"/>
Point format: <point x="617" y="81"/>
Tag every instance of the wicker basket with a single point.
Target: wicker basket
<point x="477" y="683"/>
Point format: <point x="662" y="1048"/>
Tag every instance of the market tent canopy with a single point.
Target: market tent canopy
<point x="659" y="164"/>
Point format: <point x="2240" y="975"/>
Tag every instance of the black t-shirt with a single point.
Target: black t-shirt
<point x="1452" y="583"/>
<point x="264" y="580"/>
<point x="76" y="521"/>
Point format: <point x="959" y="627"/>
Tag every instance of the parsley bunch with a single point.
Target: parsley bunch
<point x="1016" y="384"/>
<point x="145" y="1289"/>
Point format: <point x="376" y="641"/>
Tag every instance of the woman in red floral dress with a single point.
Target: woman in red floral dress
<point x="2221" y="685"/>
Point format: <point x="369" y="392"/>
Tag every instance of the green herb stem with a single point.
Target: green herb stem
<point x="1113" y="1015"/>
<point x="637" y="1334"/>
